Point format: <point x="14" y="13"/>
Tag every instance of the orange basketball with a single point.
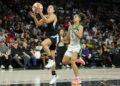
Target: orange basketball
<point x="36" y="6"/>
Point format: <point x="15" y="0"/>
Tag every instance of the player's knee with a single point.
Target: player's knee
<point x="64" y="62"/>
<point x="43" y="44"/>
<point x="72" y="62"/>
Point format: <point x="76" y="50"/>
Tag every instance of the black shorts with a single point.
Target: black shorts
<point x="55" y="40"/>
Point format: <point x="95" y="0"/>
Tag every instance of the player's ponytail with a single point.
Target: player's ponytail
<point x="83" y="18"/>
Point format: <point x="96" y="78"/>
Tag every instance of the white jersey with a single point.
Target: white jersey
<point x="75" y="43"/>
<point x="74" y="40"/>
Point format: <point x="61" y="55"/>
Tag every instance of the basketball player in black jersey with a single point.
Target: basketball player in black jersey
<point x="49" y="44"/>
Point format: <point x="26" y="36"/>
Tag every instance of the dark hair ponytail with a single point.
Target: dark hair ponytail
<point x="84" y="18"/>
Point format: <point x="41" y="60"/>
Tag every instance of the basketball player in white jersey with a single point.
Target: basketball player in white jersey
<point x="75" y="32"/>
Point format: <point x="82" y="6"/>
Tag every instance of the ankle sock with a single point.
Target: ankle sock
<point x="50" y="57"/>
<point x="53" y="73"/>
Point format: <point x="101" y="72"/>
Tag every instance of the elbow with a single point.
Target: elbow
<point x="37" y="24"/>
<point x="80" y="36"/>
<point x="46" y="22"/>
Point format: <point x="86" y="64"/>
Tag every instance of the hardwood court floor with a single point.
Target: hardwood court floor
<point x="65" y="76"/>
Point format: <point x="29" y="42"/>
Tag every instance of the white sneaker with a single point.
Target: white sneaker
<point x="2" y="67"/>
<point x="50" y="63"/>
<point x="54" y="79"/>
<point x="10" y="67"/>
<point x="68" y="66"/>
<point x="60" y="64"/>
<point x="113" y="66"/>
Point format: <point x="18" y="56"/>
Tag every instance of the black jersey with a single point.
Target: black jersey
<point x="51" y="29"/>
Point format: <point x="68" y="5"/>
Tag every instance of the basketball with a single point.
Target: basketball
<point x="36" y="6"/>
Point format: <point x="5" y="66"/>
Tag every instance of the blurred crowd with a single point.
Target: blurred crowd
<point x="20" y="39"/>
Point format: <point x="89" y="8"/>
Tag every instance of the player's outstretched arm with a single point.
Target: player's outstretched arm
<point x="80" y="31"/>
<point x="37" y="22"/>
<point x="46" y="20"/>
<point x="67" y="36"/>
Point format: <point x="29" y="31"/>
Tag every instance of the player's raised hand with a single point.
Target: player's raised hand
<point x="40" y="10"/>
<point x="70" y="25"/>
<point x="32" y="14"/>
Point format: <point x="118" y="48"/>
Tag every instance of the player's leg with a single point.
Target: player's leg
<point x="74" y="66"/>
<point x="80" y="59"/>
<point x="67" y="57"/>
<point x="66" y="60"/>
<point x="53" y="55"/>
<point x="45" y="44"/>
<point x="73" y="63"/>
<point x="54" y="75"/>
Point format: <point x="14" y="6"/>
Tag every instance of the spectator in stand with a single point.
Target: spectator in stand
<point x="94" y="29"/>
<point x="27" y="51"/>
<point x="38" y="49"/>
<point x="113" y="51"/>
<point x="83" y="41"/>
<point x="61" y="49"/>
<point x="1" y="25"/>
<point x="5" y="58"/>
<point x="11" y="36"/>
<point x="85" y="54"/>
<point x="10" y="43"/>
<point x="39" y="54"/>
<point x="19" y="42"/>
<point x="89" y="45"/>
<point x="2" y="35"/>
<point x="112" y="48"/>
<point x="109" y="40"/>
<point x="89" y="36"/>
<point x="118" y="44"/>
<point x="106" y="55"/>
<point x="95" y="46"/>
<point x="100" y="49"/>
<point x="118" y="41"/>
<point x="17" y="55"/>
<point x="99" y="54"/>
<point x="114" y="26"/>
<point x="85" y="33"/>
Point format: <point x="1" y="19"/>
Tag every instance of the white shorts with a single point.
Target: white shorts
<point x="71" y="49"/>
